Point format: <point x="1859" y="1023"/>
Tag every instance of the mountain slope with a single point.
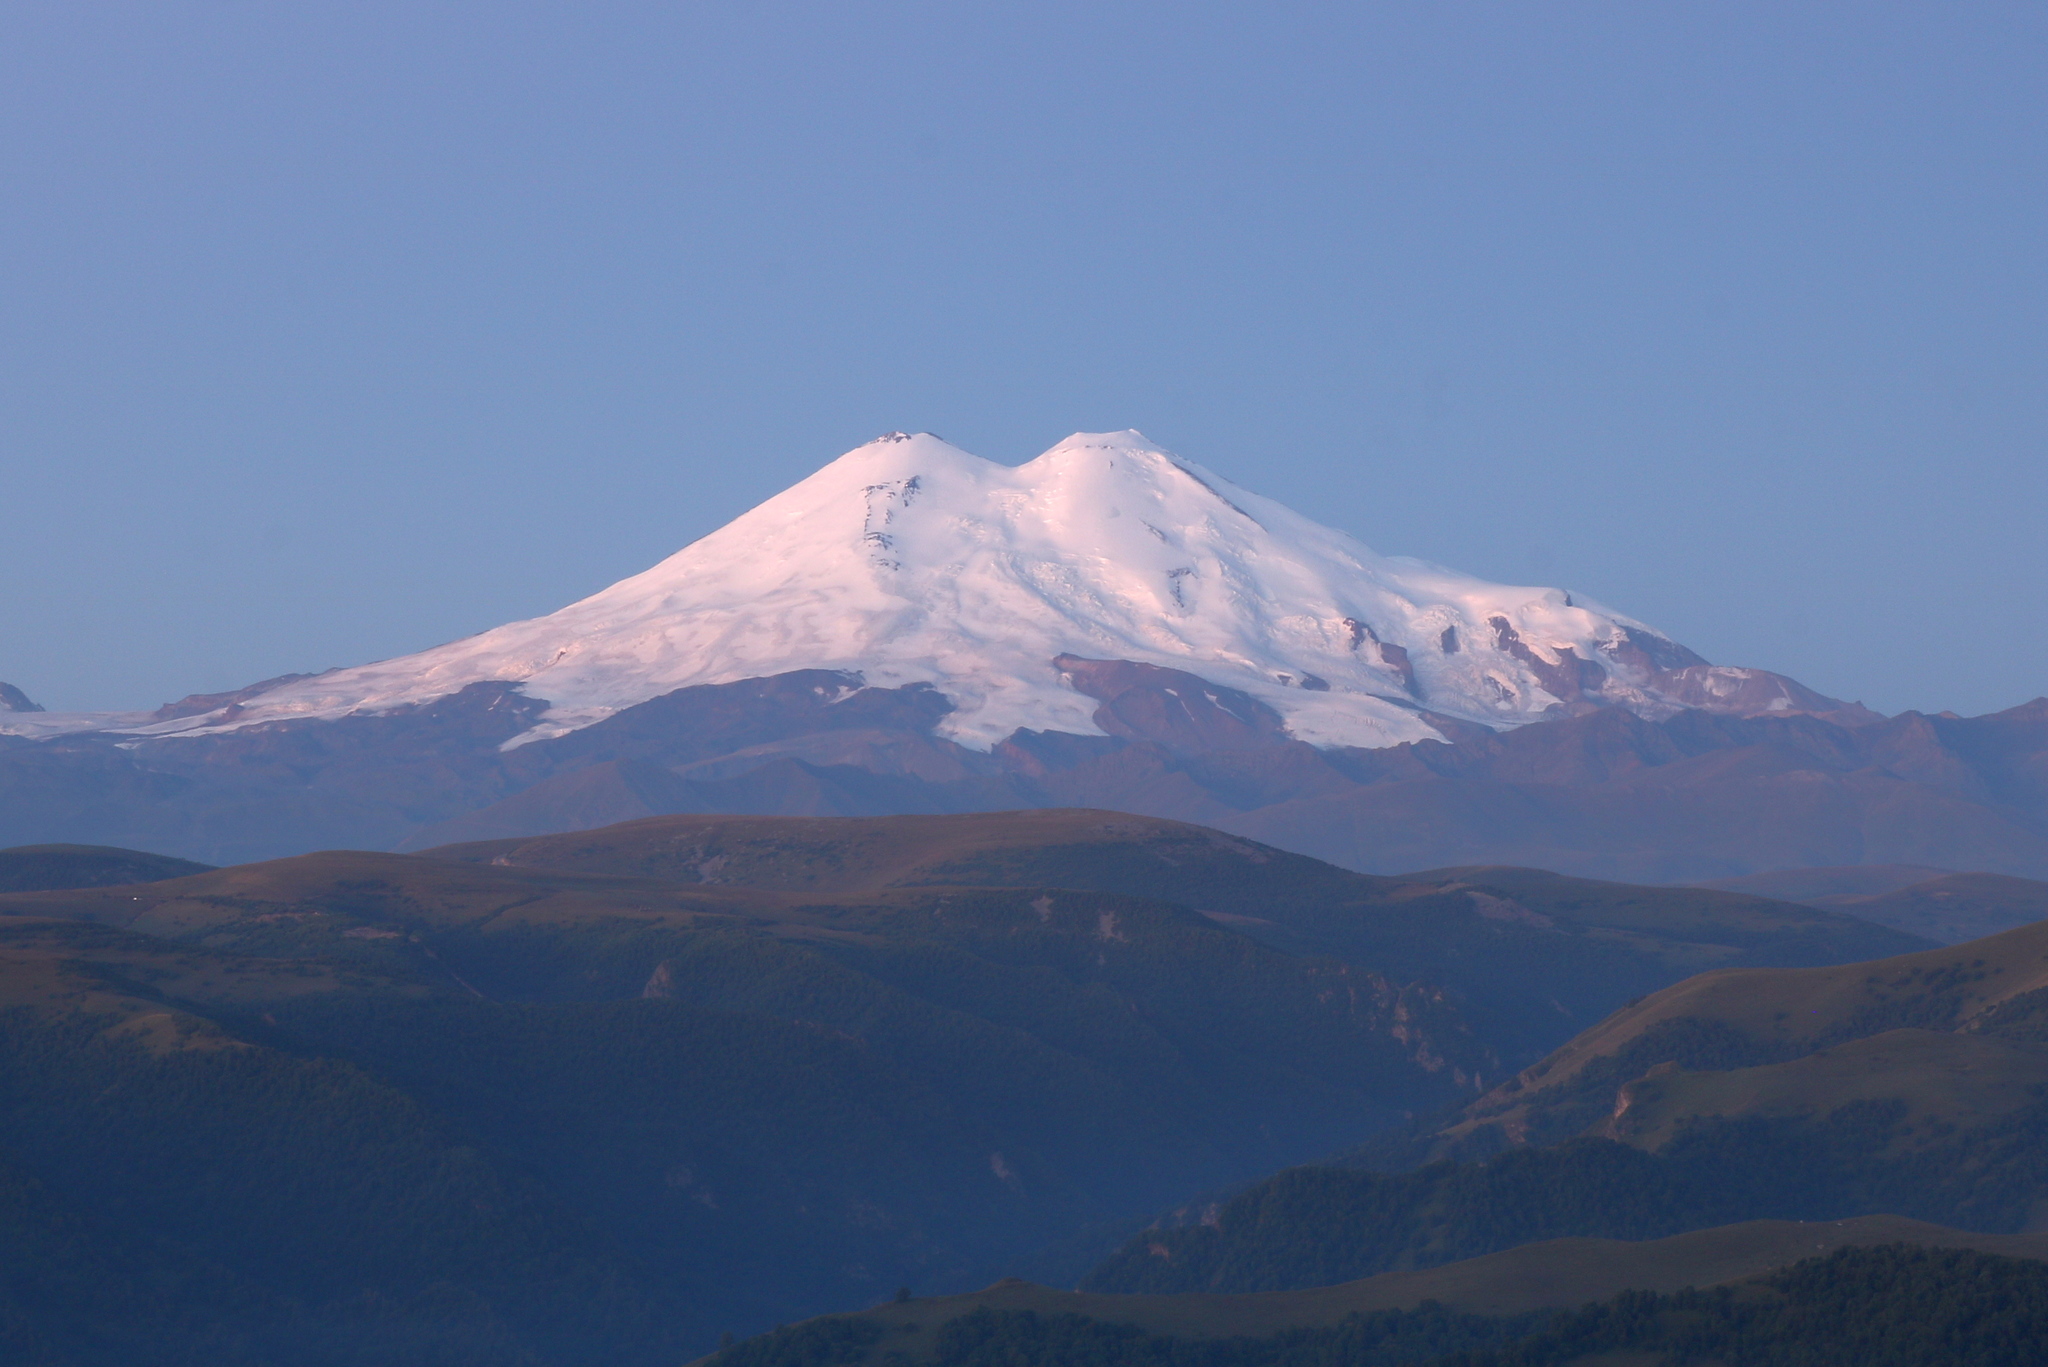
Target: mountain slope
<point x="1940" y="904"/>
<point x="1990" y="992"/>
<point x="1691" y="798"/>
<point x="1605" y="795"/>
<point x="1548" y="1274"/>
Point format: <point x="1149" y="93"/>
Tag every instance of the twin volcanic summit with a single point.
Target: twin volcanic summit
<point x="916" y="629"/>
<point x="908" y="561"/>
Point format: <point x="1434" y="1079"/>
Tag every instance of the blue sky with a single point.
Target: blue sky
<point x="330" y="332"/>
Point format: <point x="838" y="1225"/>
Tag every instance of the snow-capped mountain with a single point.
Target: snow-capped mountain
<point x="913" y="629"/>
<point x="909" y="560"/>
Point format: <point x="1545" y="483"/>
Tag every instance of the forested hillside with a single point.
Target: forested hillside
<point x="1894" y="1305"/>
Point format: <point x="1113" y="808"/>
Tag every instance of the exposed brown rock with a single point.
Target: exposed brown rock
<point x="1176" y="709"/>
<point x="1752" y="693"/>
<point x="1645" y="652"/>
<point x="1568" y="678"/>
<point x="1392" y="656"/>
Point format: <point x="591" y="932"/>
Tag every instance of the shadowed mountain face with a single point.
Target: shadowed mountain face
<point x="1608" y="794"/>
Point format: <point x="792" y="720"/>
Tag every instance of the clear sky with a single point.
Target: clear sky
<point x="329" y="332"/>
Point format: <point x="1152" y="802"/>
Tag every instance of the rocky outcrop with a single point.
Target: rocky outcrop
<point x="1171" y="707"/>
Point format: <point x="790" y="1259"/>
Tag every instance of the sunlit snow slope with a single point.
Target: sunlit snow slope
<point x="910" y="560"/>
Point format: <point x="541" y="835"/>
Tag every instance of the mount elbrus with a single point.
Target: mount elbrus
<point x="915" y="629"/>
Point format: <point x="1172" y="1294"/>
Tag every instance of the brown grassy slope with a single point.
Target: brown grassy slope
<point x="1557" y="1273"/>
<point x="1758" y="1018"/>
<point x="1694" y="929"/>
<point x="739" y="865"/>
<point x="852" y="855"/>
<point x="370" y="897"/>
<point x="1947" y="1082"/>
<point x="1535" y="956"/>
<point x="1805" y="1007"/>
<point x="59" y="967"/>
